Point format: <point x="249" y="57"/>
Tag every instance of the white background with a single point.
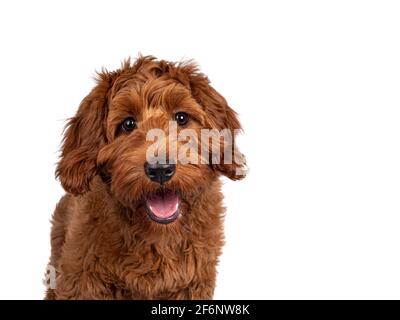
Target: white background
<point x="316" y="84"/>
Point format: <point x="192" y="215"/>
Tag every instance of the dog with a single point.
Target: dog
<point x="129" y="227"/>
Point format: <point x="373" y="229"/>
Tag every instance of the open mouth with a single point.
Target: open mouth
<point x="163" y="206"/>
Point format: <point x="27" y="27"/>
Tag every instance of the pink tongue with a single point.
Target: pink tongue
<point x="163" y="206"/>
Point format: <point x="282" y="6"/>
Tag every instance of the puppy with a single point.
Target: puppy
<point x="130" y="225"/>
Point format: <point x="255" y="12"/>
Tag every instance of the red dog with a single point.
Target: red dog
<point x="128" y="228"/>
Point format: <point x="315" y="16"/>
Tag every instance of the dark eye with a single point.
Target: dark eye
<point x="182" y="118"/>
<point x="128" y="125"/>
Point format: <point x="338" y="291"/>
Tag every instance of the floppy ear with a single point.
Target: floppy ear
<point x="220" y="116"/>
<point x="84" y="135"/>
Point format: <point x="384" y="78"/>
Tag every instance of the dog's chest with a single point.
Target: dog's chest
<point x="155" y="271"/>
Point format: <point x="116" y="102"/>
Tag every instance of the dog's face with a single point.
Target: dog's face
<point x="133" y="130"/>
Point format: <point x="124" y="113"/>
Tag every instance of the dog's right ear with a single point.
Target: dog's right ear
<point x="221" y="117"/>
<point x="84" y="135"/>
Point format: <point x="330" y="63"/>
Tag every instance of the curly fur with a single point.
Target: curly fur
<point x="103" y="244"/>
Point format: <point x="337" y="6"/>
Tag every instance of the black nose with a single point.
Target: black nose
<point x="159" y="172"/>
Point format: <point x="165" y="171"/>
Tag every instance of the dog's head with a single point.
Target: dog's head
<point x="143" y="130"/>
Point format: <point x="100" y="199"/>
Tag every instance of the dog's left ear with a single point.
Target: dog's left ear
<point x="220" y="117"/>
<point x="84" y="135"/>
